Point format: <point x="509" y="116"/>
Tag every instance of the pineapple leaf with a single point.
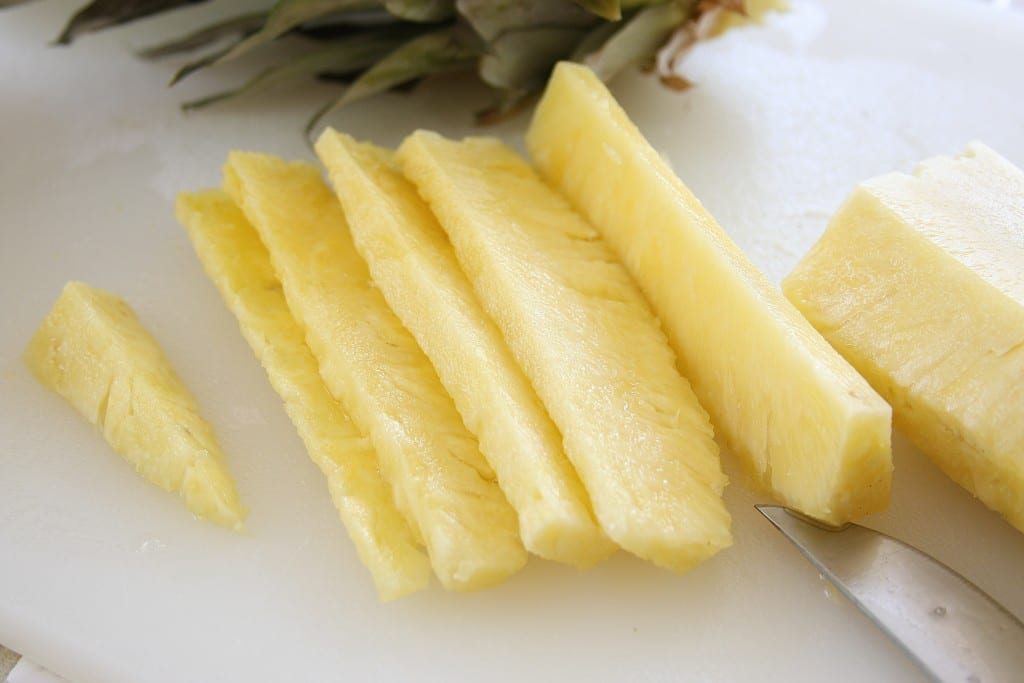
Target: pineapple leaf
<point x="593" y="41"/>
<point x="421" y="10"/>
<point x="287" y="14"/>
<point x="639" y="39"/>
<point x="424" y="55"/>
<point x="348" y="56"/>
<point x="524" y="39"/>
<point x="606" y="9"/>
<point x="520" y="61"/>
<point x="492" y="20"/>
<point x="101" y="14"/>
<point x="241" y="25"/>
<point x="200" y="63"/>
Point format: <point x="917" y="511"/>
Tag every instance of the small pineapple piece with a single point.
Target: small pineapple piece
<point x="805" y="423"/>
<point x="919" y="282"/>
<point x="93" y="351"/>
<point x="413" y="265"/>
<point x="582" y="332"/>
<point x="369" y="362"/>
<point x="239" y="265"/>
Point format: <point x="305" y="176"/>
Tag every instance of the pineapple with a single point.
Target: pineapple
<point x="239" y="265"/>
<point x="918" y="282"/>
<point x="93" y="351"/>
<point x="583" y="334"/>
<point x="440" y="481"/>
<point x="802" y="419"/>
<point x="414" y="266"/>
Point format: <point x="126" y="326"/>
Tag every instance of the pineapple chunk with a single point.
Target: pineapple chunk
<point x="412" y="263"/>
<point x="801" y="418"/>
<point x="582" y="332"/>
<point x="93" y="351"/>
<point x="918" y="282"/>
<point x="369" y="362"/>
<point x="239" y="265"/>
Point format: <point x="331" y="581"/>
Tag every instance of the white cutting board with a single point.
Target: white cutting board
<point x="105" y="578"/>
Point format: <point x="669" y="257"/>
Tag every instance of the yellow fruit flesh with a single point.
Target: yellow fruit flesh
<point x="93" y="351"/>
<point x="586" y="338"/>
<point x="917" y="281"/>
<point x="373" y="366"/>
<point x="239" y="265"/>
<point x="412" y="263"/>
<point x="802" y="419"/>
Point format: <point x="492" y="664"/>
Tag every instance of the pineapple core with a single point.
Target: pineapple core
<point x="93" y="351"/>
<point x="919" y="282"/>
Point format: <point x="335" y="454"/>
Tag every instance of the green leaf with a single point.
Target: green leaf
<point x="287" y="14"/>
<point x="639" y="39"/>
<point x="427" y="54"/>
<point x="350" y="55"/>
<point x="421" y="10"/>
<point x="607" y="9"/>
<point x="524" y="39"/>
<point x="204" y="61"/>
<point x="105" y="13"/>
<point x="242" y="25"/>
<point x="493" y="19"/>
<point x="520" y="61"/>
<point x="593" y="41"/>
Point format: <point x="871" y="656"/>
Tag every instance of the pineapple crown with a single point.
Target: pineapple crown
<point x="373" y="46"/>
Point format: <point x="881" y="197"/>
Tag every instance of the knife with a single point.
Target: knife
<point x="949" y="626"/>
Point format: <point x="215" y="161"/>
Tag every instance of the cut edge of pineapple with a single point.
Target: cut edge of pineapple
<point x="950" y="440"/>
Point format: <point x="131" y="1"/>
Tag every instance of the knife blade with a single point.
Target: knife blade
<point x="949" y="626"/>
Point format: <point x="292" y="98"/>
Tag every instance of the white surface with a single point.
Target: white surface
<point x="106" y="578"/>
<point x="30" y="672"/>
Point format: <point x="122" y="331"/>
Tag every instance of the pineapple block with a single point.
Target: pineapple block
<point x="584" y="335"/>
<point x="412" y="263"/>
<point x="803" y="421"/>
<point x="92" y="350"/>
<point x="440" y="481"/>
<point x="239" y="265"/>
<point x="919" y="282"/>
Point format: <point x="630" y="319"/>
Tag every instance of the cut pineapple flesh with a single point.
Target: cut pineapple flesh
<point x="369" y="362"/>
<point x="239" y="265"/>
<point x="801" y="418"/>
<point x="918" y="282"/>
<point x="412" y="263"/>
<point x="586" y="338"/>
<point x="93" y="351"/>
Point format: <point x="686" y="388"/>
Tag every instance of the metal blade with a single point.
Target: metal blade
<point x="948" y="625"/>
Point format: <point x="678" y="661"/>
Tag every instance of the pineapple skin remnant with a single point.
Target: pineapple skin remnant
<point x="804" y="422"/>
<point x="583" y="334"/>
<point x="919" y="282"/>
<point x="371" y="363"/>
<point x="413" y="265"/>
<point x="92" y="350"/>
<point x="239" y="265"/>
